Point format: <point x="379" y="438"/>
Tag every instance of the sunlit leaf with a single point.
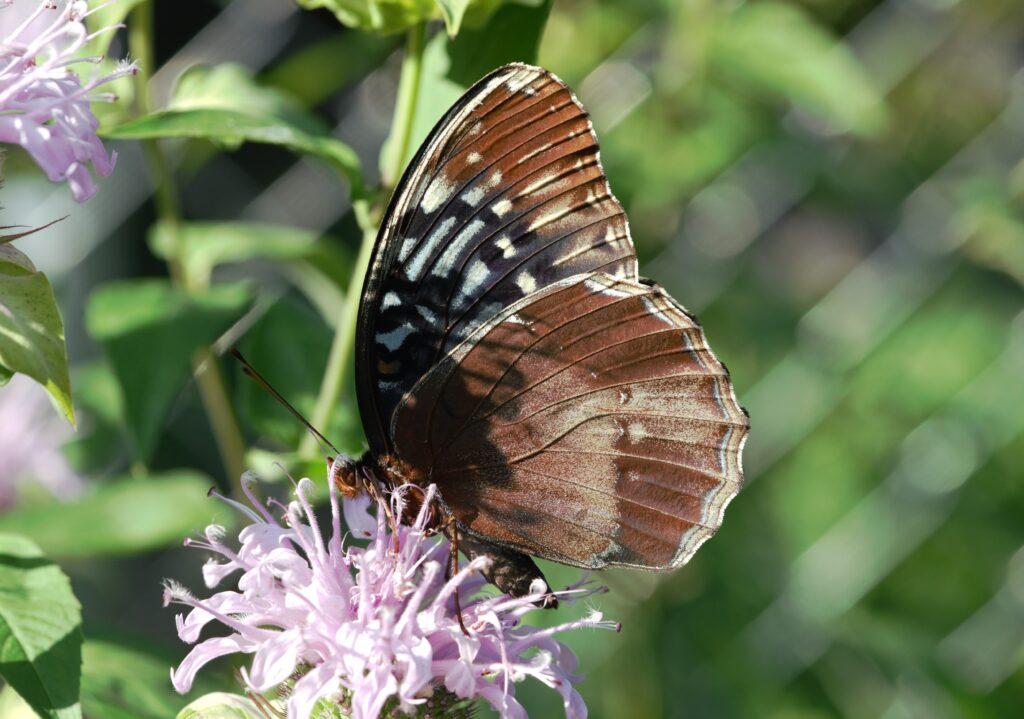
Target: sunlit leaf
<point x="123" y="680"/>
<point x="221" y="705"/>
<point x="40" y="630"/>
<point x="225" y="105"/>
<point x="453" y="11"/>
<point x="204" y="245"/>
<point x="150" y="332"/>
<point x="773" y="48"/>
<point x="123" y="517"/>
<point x="31" y="329"/>
<point x="451" y="65"/>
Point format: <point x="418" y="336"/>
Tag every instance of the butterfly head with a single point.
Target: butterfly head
<point x="343" y="472"/>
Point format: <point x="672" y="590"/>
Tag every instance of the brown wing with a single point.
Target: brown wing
<point x="588" y="423"/>
<point x="506" y="196"/>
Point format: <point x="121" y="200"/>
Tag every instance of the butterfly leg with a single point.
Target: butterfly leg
<point x="453" y="569"/>
<point x="373" y="489"/>
<point x="512" y="572"/>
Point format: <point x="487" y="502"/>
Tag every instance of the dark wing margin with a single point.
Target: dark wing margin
<point x="589" y="424"/>
<point x="505" y="197"/>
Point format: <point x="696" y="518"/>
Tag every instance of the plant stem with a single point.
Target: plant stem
<point x="212" y="390"/>
<point x="343" y="345"/>
<point x="405" y="107"/>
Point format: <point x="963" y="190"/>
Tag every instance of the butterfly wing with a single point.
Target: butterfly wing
<point x="588" y="423"/>
<point x="506" y="196"/>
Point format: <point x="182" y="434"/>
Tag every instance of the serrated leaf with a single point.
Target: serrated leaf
<point x="40" y="630"/>
<point x="31" y="329"/>
<point x="150" y="332"/>
<point x="451" y="65"/>
<point x="124" y="517"/>
<point x="225" y="105"/>
<point x="221" y="705"/>
<point x="452" y="11"/>
<point x="809" y="66"/>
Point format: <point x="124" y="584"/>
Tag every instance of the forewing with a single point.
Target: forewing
<point x="589" y="424"/>
<point x="506" y="197"/>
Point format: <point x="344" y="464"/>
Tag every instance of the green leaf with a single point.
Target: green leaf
<point x="289" y="345"/>
<point x="107" y="15"/>
<point x="453" y="11"/>
<point x="225" y="105"/>
<point x="221" y="705"/>
<point x="450" y="66"/>
<point x="809" y="66"/>
<point x="40" y="630"/>
<point x="121" y="680"/>
<point x="31" y="330"/>
<point x="150" y="333"/>
<point x="124" y="517"/>
<point x="384" y="17"/>
<point x="205" y="245"/>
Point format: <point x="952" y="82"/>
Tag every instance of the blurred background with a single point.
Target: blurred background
<point x="834" y="186"/>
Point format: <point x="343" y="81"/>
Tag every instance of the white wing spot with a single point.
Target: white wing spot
<point x="394" y="339"/>
<point x="505" y="245"/>
<point x="526" y="282"/>
<point x="438" y="191"/>
<point x="637" y="432"/>
<point x="456" y="248"/>
<point x="414" y="268"/>
<point x="475" y="277"/>
<point x="407" y="245"/>
<point x="502" y="207"/>
<point x="390" y="300"/>
<point x="473" y="158"/>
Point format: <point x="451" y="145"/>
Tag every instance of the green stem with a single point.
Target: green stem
<point x="343" y="345"/>
<point x="405" y="107"/>
<point x="212" y="391"/>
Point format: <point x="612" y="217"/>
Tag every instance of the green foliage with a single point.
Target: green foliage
<point x="122" y="678"/>
<point x="220" y="705"/>
<point x="31" y="329"/>
<point x="122" y="517"/>
<point x="386" y="16"/>
<point x="150" y="333"/>
<point x="808" y="68"/>
<point x="40" y="630"/>
<point x="224" y="105"/>
<point x="835" y="187"/>
<point x="452" y="65"/>
<point x="205" y="245"/>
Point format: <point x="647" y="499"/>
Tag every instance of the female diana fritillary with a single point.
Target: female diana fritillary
<point x="508" y="352"/>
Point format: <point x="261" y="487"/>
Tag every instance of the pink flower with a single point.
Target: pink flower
<point x="362" y="625"/>
<point x="44" y="106"/>
<point x="31" y="434"/>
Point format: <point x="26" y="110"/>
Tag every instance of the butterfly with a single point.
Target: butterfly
<point x="508" y="352"/>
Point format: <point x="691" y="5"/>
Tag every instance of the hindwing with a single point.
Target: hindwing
<point x="588" y="424"/>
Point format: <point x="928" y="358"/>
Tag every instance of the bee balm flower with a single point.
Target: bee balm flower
<point x="44" y="105"/>
<point x="361" y="626"/>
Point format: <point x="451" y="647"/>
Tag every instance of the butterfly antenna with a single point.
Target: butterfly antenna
<point x="262" y="382"/>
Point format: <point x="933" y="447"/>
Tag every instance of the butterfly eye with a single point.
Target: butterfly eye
<point x="342" y="473"/>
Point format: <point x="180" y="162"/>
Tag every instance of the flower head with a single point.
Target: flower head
<point x="367" y="626"/>
<point x="44" y="105"/>
<point x="31" y="434"/>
